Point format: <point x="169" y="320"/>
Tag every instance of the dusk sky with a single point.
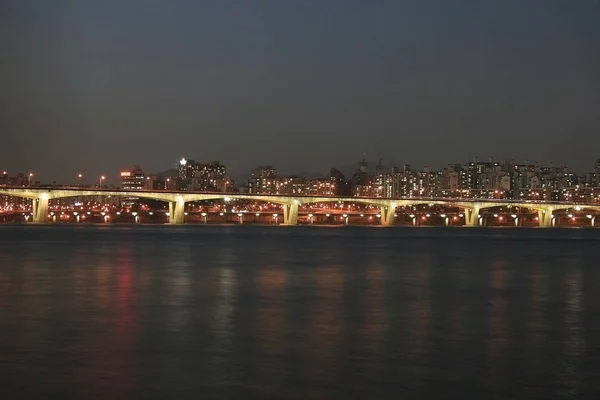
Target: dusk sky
<point x="97" y="86"/>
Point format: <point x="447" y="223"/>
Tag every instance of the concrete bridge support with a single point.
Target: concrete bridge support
<point x="40" y="210"/>
<point x="472" y="216"/>
<point x="176" y="209"/>
<point x="290" y="214"/>
<point x="545" y="217"/>
<point x="387" y="215"/>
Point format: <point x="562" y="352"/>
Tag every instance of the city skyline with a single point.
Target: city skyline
<point x="296" y="83"/>
<point x="307" y="172"/>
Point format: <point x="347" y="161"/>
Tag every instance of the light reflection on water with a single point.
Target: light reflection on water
<point x="217" y="312"/>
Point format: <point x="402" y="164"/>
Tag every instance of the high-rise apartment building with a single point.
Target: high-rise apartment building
<point x="262" y="180"/>
<point x="203" y="177"/>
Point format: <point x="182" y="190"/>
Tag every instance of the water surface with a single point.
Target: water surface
<point x="299" y="312"/>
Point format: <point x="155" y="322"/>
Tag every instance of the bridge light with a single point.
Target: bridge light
<point x="461" y="215"/>
<point x="168" y="214"/>
<point x="240" y="214"/>
<point x="221" y="214"/>
<point x="362" y="215"/>
<point x="443" y="215"/>
<point x="150" y="213"/>
<point x="412" y="215"/>
<point x="428" y="215"/>
<point x="257" y="214"/>
<point x="378" y="215"/>
<point x="203" y="214"/>
<point x="327" y="215"/>
<point x="570" y="215"/>
<point x="577" y="208"/>
<point x="589" y="216"/>
<point x="514" y="215"/>
<point x="227" y="199"/>
<point x="495" y="215"/>
<point x="310" y="215"/>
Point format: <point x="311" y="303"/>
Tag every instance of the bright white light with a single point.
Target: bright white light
<point x="183" y="161"/>
<point x="378" y="215"/>
<point x="227" y="198"/>
<point x="412" y="215"/>
<point x="203" y="214"/>
<point x="577" y="208"/>
<point x="514" y="215"/>
<point x="443" y="215"/>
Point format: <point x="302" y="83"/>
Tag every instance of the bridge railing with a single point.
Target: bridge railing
<point x="233" y="195"/>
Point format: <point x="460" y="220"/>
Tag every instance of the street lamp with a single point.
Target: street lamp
<point x="30" y="176"/>
<point x="79" y="177"/>
<point x="101" y="179"/>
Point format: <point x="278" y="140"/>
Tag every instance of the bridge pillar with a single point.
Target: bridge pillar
<point x="545" y="217"/>
<point x="387" y="215"/>
<point x="40" y="209"/>
<point x="472" y="216"/>
<point x="176" y="211"/>
<point x="290" y="214"/>
<point x="593" y="219"/>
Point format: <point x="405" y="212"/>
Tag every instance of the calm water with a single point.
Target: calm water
<point x="299" y="313"/>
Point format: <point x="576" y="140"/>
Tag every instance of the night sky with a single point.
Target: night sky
<point x="97" y="86"/>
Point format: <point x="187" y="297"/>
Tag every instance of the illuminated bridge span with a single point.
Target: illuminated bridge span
<point x="40" y="197"/>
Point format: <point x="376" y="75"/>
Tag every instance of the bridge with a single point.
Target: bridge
<point x="41" y="196"/>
